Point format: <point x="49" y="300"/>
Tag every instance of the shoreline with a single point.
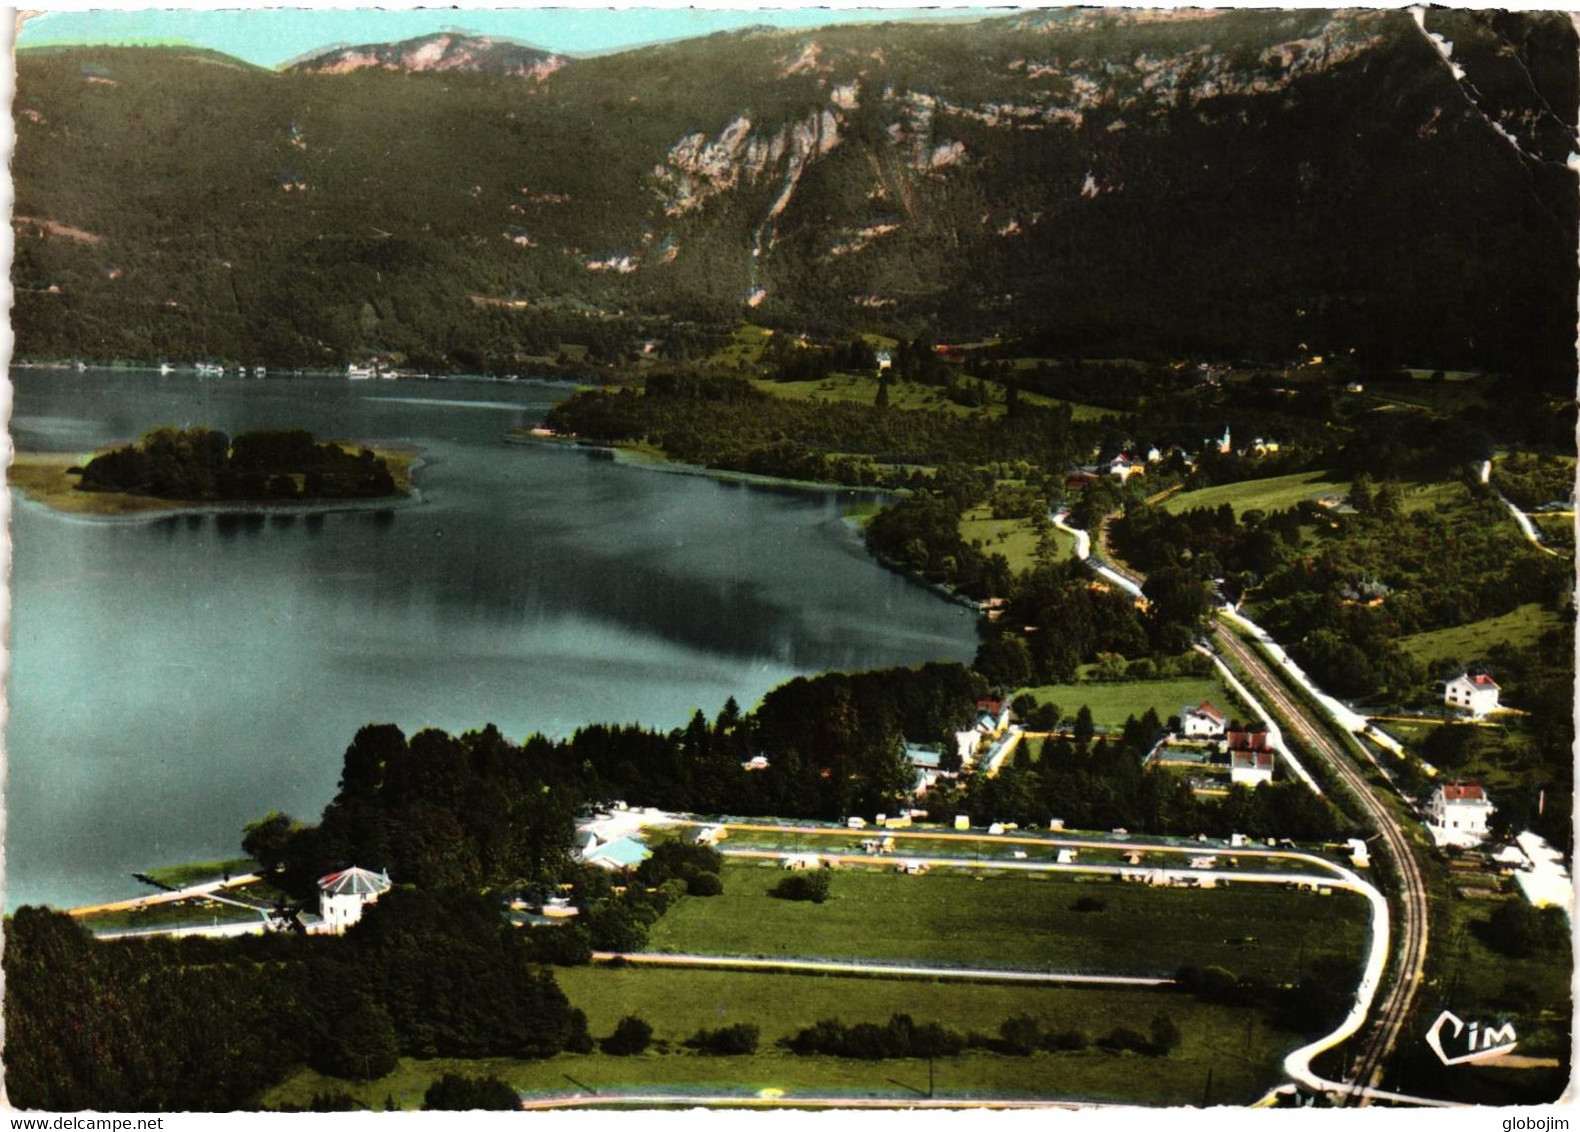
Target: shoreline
<point x="41" y="479"/>
<point x="652" y="460"/>
<point x="189" y="370"/>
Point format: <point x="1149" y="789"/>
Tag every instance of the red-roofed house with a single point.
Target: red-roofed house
<point x="1251" y="768"/>
<point x="1202" y="722"/>
<point x="995" y="714"/>
<point x="1251" y="738"/>
<point x="1474" y="690"/>
<point x="1457" y="813"/>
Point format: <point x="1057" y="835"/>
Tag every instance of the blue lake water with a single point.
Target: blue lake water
<point x="173" y="679"/>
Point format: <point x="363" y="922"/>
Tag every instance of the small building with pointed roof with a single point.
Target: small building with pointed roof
<point x="342" y="896"/>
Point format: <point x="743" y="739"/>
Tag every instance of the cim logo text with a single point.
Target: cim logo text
<point x="1456" y="1041"/>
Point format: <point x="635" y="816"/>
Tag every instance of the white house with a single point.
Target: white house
<point x="343" y="895"/>
<point x="1457" y="813"/>
<point x="1250" y="768"/>
<point x="1122" y="467"/>
<point x="1202" y="722"/>
<point x="1474" y="691"/>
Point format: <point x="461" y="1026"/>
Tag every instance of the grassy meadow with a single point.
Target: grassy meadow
<point x="1112" y="703"/>
<point x="1017" y="920"/>
<point x="1236" y="1046"/>
<point x="1273" y="494"/>
<point x="1464" y="644"/>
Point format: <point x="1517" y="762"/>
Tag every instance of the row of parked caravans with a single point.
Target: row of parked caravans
<point x="799" y="862"/>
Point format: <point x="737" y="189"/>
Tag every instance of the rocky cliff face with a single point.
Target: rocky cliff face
<point x="1232" y="183"/>
<point x="445" y="51"/>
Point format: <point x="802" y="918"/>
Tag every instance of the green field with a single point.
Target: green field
<point x="1015" y="539"/>
<point x="745" y="347"/>
<point x="1486" y="979"/>
<point x="1017" y="920"/>
<point x="863" y="390"/>
<point x="1273" y="494"/>
<point x="1112" y="703"/>
<point x="1241" y="1052"/>
<point x="1432" y="496"/>
<point x="197" y="872"/>
<point x="1467" y="644"/>
<point x="195" y="912"/>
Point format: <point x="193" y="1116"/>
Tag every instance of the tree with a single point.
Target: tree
<point x="1004" y="660"/>
<point x="811" y="886"/>
<point x="359" y="1043"/>
<point x="456" y="1093"/>
<point x="704" y="884"/>
<point x="1362" y="490"/>
<point x="740" y="1038"/>
<point x="1084" y="727"/>
<point x="1165" y="1034"/>
<point x="1020" y="1034"/>
<point x="631" y="1036"/>
<point x="266" y="839"/>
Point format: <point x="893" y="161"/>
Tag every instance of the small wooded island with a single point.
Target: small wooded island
<point x="182" y="467"/>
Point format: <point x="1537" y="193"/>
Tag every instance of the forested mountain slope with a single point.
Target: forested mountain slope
<point x="1232" y="184"/>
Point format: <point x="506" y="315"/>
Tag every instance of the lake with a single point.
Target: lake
<point x="174" y="678"/>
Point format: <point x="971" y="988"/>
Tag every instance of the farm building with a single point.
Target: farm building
<point x="1473" y="690"/>
<point x="1457" y="814"/>
<point x="342" y="896"/>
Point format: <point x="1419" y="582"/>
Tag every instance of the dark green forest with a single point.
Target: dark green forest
<point x="198" y="464"/>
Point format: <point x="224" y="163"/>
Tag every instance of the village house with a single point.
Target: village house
<point x="995" y="714"/>
<point x="1123" y="467"/>
<point x="1457" y="814"/>
<point x="1202" y="722"/>
<point x="1473" y="690"/>
<point x="1250" y="767"/>
<point x="342" y="896"/>
<point x="925" y="766"/>
<point x="1251" y="737"/>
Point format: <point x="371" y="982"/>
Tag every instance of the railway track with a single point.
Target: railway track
<point x="1404" y="977"/>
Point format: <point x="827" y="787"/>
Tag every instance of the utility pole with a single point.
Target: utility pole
<point x="1206" y="1093"/>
